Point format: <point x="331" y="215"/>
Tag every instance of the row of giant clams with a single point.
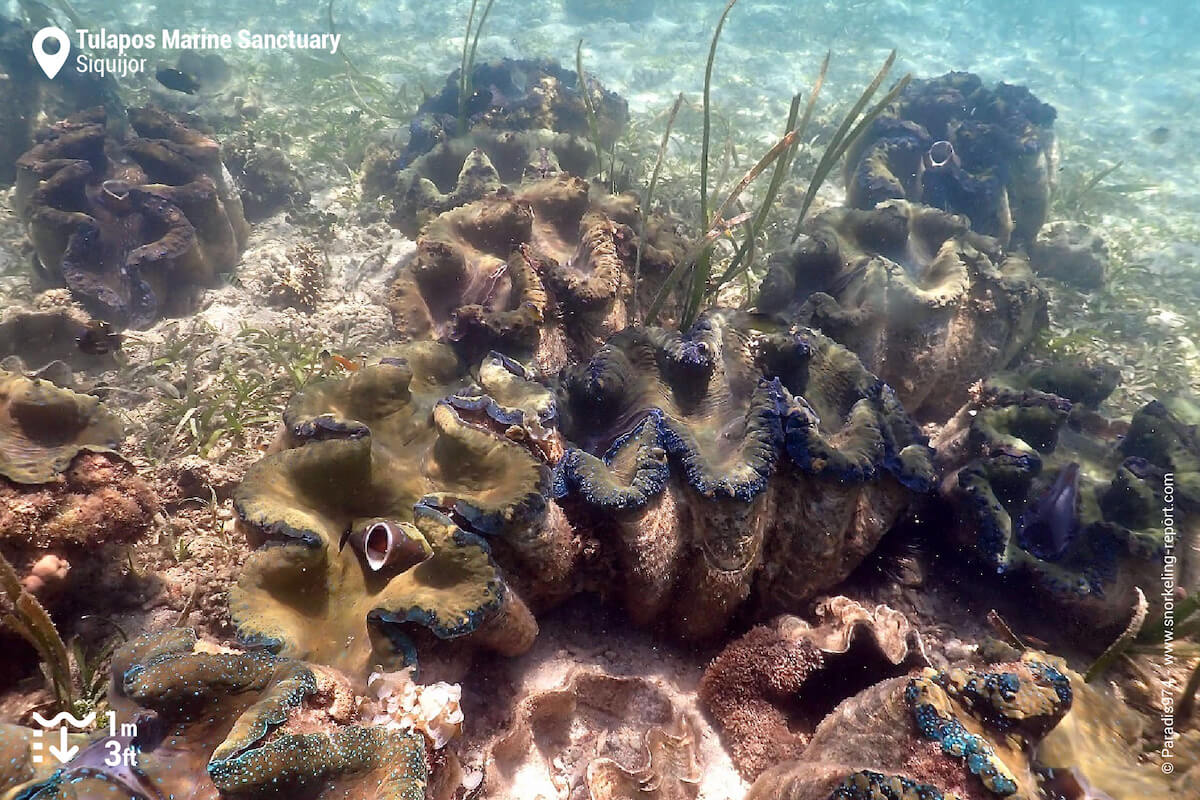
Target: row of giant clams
<point x="444" y="491"/>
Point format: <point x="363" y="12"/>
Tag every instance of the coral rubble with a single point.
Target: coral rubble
<point x="545" y="271"/>
<point x="135" y="228"/>
<point x="267" y="180"/>
<point x="1047" y="491"/>
<point x="400" y="702"/>
<point x="741" y="455"/>
<point x="927" y="304"/>
<point x="952" y="143"/>
<point x="379" y="513"/>
<point x="297" y="279"/>
<point x="959" y="733"/>
<point x="770" y="688"/>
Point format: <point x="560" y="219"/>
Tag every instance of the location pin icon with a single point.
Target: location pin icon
<point x="51" y="63"/>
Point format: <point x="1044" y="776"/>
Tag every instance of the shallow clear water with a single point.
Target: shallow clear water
<point x="368" y="430"/>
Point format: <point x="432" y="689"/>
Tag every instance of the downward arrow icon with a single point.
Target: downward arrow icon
<point x="63" y="752"/>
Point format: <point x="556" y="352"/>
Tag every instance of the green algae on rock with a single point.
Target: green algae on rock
<point x="378" y="511"/>
<point x="1047" y="491"/>
<point x="926" y="303"/>
<point x="742" y="455"/>
<point x="135" y="228"/>
<point x="960" y="733"/>
<point x="43" y="427"/>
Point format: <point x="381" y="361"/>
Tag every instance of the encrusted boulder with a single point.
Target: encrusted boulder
<point x="546" y="271"/>
<point x="952" y="143"/>
<point x="68" y="502"/>
<point x="1071" y="252"/>
<point x="78" y="522"/>
<point x="927" y="304"/>
<point x="741" y="457"/>
<point x="959" y="734"/>
<point x="1048" y="493"/>
<point x="137" y="226"/>
<point x="770" y="689"/>
<point x="377" y="516"/>
<point x="525" y="118"/>
<point x="267" y="179"/>
<point x="216" y="723"/>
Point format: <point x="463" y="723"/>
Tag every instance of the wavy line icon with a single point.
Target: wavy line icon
<point x="58" y="718"/>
